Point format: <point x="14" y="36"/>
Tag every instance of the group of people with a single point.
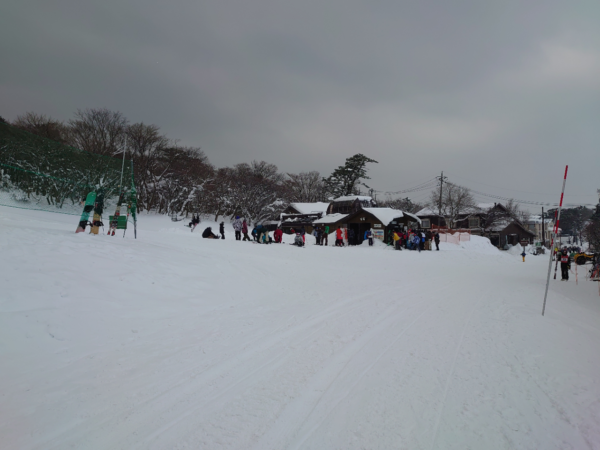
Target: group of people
<point x="415" y="240"/>
<point x="409" y="239"/>
<point x="261" y="235"/>
<point x="342" y="235"/>
<point x="239" y="226"/>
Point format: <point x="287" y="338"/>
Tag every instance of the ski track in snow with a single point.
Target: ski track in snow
<point x="175" y="342"/>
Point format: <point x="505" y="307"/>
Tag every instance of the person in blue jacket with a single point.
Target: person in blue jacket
<point x="369" y="236"/>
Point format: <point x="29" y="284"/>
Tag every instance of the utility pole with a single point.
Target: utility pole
<point x="543" y="234"/>
<point x="442" y="178"/>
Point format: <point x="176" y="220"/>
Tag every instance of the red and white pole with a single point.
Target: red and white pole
<point x="553" y="237"/>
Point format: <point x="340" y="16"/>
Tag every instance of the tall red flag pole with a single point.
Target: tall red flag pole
<point x="562" y="194"/>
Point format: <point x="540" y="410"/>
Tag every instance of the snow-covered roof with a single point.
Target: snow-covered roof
<point x="347" y="198"/>
<point x="499" y="225"/>
<point x="386" y="215"/>
<point x="307" y="208"/>
<point x="331" y="218"/>
<point x="426" y="212"/>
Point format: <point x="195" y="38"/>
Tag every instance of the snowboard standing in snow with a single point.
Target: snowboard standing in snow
<point x="115" y="221"/>
<point x="98" y="209"/>
<point x="85" y="215"/>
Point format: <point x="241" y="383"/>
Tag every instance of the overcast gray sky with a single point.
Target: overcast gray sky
<point x="500" y="95"/>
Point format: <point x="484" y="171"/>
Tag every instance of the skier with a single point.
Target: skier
<point x="436" y="238"/>
<point x="369" y="236"/>
<point x="208" y="234"/>
<point x="237" y="227"/>
<point x="222" y="230"/>
<point x="325" y="236"/>
<point x="523" y="255"/>
<point x="245" y="231"/>
<point x="565" y="265"/>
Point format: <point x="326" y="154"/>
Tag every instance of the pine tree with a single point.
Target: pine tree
<point x="346" y="179"/>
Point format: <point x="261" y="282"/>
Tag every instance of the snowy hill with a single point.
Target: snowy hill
<point x="172" y="341"/>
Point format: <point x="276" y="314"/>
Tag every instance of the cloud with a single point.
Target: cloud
<point x="305" y="85"/>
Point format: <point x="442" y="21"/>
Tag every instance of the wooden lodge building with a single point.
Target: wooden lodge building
<point x="491" y="220"/>
<point x="360" y="213"/>
<point x="356" y="212"/>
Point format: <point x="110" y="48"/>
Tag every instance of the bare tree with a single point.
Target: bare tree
<point x="403" y="204"/>
<point x="44" y="126"/>
<point x="147" y="147"/>
<point x="457" y="201"/>
<point x="305" y="187"/>
<point x="255" y="191"/>
<point x="99" y="131"/>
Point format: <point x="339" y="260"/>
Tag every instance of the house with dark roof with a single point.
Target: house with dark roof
<point x="492" y="220"/>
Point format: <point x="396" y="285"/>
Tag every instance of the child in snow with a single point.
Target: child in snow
<point x="222" y="230"/>
<point x="298" y="240"/>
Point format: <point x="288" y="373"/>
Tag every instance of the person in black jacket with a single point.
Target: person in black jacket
<point x="436" y="238"/>
<point x="208" y="234"/>
<point x="222" y="230"/>
<point x="565" y="264"/>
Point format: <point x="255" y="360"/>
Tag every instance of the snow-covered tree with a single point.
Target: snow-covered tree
<point x="403" y="204"/>
<point x="305" y="187"/>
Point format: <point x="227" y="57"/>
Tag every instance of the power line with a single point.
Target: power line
<point x="515" y="190"/>
<point x="434" y="182"/>
<point x="419" y="187"/>
<point x="525" y="202"/>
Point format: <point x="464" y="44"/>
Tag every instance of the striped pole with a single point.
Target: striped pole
<point x="553" y="237"/>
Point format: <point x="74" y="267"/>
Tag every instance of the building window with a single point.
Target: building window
<point x="426" y="223"/>
<point x="473" y="222"/>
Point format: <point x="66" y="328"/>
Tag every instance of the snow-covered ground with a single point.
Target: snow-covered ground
<point x="172" y="341"/>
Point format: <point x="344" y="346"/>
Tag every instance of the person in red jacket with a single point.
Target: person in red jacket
<point x="278" y="234"/>
<point x="339" y="242"/>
